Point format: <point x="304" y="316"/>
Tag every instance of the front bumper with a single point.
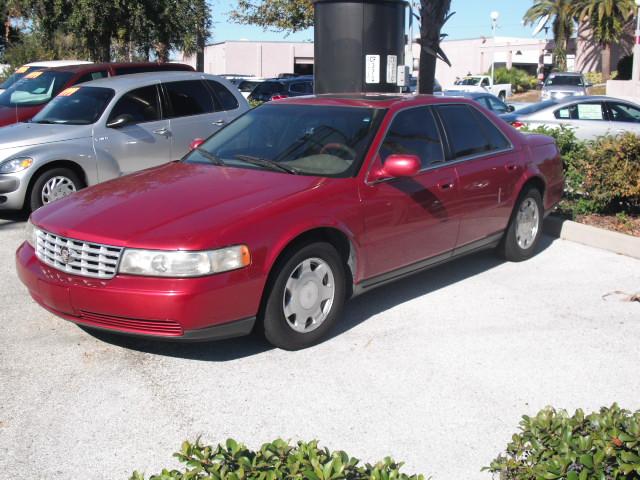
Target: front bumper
<point x="213" y="307"/>
<point x="12" y="192"/>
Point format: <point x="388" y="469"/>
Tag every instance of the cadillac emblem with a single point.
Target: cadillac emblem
<point x="65" y="255"/>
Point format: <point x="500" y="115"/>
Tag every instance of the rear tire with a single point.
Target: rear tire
<point x="52" y="185"/>
<point x="525" y="227"/>
<point x="305" y="298"/>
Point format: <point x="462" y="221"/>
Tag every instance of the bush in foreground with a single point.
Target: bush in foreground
<point x="275" y="460"/>
<point x="604" y="445"/>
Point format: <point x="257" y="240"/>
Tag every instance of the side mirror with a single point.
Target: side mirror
<point x="511" y="108"/>
<point x="196" y="143"/>
<point x="120" y="121"/>
<point x="399" y="166"/>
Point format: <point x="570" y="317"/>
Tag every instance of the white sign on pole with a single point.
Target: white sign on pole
<point x="392" y="68"/>
<point x="372" y="69"/>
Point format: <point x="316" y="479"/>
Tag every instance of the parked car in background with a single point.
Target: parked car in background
<point x="28" y="96"/>
<point x="278" y="88"/>
<point x="561" y="85"/>
<point x="483" y="83"/>
<point x="33" y="66"/>
<point x="413" y="86"/>
<point x="487" y="100"/>
<point x="246" y="85"/>
<point x="106" y="128"/>
<point x="589" y="117"/>
<point x="281" y="216"/>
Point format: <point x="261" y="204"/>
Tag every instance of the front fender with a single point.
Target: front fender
<point x="78" y="151"/>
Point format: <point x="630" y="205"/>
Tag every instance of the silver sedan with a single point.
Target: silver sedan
<point x="589" y="117"/>
<point x="106" y="128"/>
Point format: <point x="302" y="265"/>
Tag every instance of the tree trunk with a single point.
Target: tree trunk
<point x="162" y="52"/>
<point x="427" y="73"/>
<point x="432" y="18"/>
<point x="606" y="62"/>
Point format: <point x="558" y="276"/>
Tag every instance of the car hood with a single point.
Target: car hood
<point x="174" y="206"/>
<point x="11" y="115"/>
<point x="563" y="88"/>
<point x="29" y="134"/>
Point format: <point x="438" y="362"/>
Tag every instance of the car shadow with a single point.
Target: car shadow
<point x="9" y="218"/>
<point x="357" y="311"/>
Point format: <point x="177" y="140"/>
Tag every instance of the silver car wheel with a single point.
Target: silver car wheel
<point x="308" y="295"/>
<point x="527" y="223"/>
<point x="57" y="188"/>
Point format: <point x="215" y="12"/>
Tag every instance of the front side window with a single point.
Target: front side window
<point x="225" y="98"/>
<point x="496" y="105"/>
<point x="142" y="104"/>
<point x="414" y="132"/>
<point x="621" y="112"/>
<point x="470" y="132"/>
<point x="36" y="88"/>
<point x="302" y="139"/>
<point x="76" y="106"/>
<point x="188" y="98"/>
<point x="582" y="111"/>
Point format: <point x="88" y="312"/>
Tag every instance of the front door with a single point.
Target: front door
<point x="144" y="142"/>
<point x="624" y="118"/>
<point x="408" y="220"/>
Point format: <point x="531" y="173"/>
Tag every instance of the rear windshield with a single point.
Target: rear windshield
<point x="36" y="88"/>
<point x="76" y="106"/>
<point x="566" y="80"/>
<point x="269" y="88"/>
<point x="248" y="85"/>
<point x="536" y="107"/>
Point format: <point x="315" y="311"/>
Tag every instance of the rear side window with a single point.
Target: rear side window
<point x="93" y="76"/>
<point x="582" y="111"/>
<point x="189" y="97"/>
<point x="226" y="99"/>
<point x="142" y="104"/>
<point x="414" y="132"/>
<point x="470" y="132"/>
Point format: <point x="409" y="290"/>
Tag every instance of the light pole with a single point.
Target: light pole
<point x="494" y="25"/>
<point x="636" y="48"/>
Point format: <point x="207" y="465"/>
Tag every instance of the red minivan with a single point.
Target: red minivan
<point x="286" y="212"/>
<point x="22" y="100"/>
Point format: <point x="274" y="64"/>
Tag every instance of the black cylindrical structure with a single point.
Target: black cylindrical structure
<point x="359" y="45"/>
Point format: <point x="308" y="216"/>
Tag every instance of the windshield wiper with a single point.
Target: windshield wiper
<point x="264" y="162"/>
<point x="209" y="156"/>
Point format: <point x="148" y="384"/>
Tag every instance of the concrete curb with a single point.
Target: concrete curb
<point x="592" y="236"/>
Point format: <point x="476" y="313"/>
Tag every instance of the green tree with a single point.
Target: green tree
<point x="563" y="14"/>
<point x="433" y="16"/>
<point x="281" y="15"/>
<point x="607" y="20"/>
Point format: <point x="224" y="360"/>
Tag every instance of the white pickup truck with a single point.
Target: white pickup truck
<point x="483" y="83"/>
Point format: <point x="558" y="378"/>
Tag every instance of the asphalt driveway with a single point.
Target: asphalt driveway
<point x="435" y="370"/>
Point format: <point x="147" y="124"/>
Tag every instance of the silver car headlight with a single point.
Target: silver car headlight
<point x="16" y="165"/>
<point x="31" y="234"/>
<point x="159" y="263"/>
<point x="579" y="94"/>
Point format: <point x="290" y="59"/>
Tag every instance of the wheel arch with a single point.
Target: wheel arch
<point x="71" y="165"/>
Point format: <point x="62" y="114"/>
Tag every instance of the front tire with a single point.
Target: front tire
<point x="306" y="297"/>
<point x="525" y="227"/>
<point x="52" y="185"/>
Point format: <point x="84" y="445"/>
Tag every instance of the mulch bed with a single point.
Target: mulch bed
<point x="629" y="224"/>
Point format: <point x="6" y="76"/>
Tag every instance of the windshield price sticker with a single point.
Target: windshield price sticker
<point x="34" y="74"/>
<point x="392" y="69"/>
<point x="372" y="69"/>
<point x="69" y="91"/>
<point x="22" y="69"/>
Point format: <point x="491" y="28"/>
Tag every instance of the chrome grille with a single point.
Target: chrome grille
<point x="77" y="257"/>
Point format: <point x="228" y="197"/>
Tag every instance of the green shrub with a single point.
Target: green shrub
<point x="275" y="460"/>
<point x="519" y="79"/>
<point x="255" y="103"/>
<point x="604" y="445"/>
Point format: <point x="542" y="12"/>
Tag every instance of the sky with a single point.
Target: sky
<point x="472" y="20"/>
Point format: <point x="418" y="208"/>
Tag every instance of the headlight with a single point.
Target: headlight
<point x="579" y="94"/>
<point x="16" y="165"/>
<point x="30" y="234"/>
<point x="158" y="263"/>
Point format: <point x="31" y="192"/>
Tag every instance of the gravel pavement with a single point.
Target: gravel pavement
<point x="435" y="370"/>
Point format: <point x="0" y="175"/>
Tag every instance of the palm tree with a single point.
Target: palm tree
<point x="563" y="14"/>
<point x="433" y="15"/>
<point x="607" y="19"/>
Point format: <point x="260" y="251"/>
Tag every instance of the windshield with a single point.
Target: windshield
<point x="269" y="88"/>
<point x="566" y="80"/>
<point x="469" y="81"/>
<point x="36" y="88"/>
<point x="536" y="107"/>
<point x="76" y="106"/>
<point x="19" y="74"/>
<point x="302" y="139"/>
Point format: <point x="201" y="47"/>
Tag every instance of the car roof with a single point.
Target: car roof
<point x="125" y="82"/>
<point x="304" y="78"/>
<point x="565" y="74"/>
<point x="98" y="66"/>
<point x="58" y="63"/>
<point x="378" y="100"/>
<point x="462" y="93"/>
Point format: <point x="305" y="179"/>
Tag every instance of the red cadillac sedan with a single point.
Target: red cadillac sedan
<point x="281" y="216"/>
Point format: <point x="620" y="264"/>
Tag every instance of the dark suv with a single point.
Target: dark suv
<point x="22" y="100"/>
<point x="277" y="88"/>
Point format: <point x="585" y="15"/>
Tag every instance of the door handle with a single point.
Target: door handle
<point x="446" y="185"/>
<point x="161" y="131"/>
<point x="219" y="123"/>
<point x="511" y="167"/>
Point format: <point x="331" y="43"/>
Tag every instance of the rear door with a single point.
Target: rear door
<point x="142" y="144"/>
<point x="191" y="111"/>
<point x="409" y="220"/>
<point x="589" y="119"/>
<point x="487" y="168"/>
